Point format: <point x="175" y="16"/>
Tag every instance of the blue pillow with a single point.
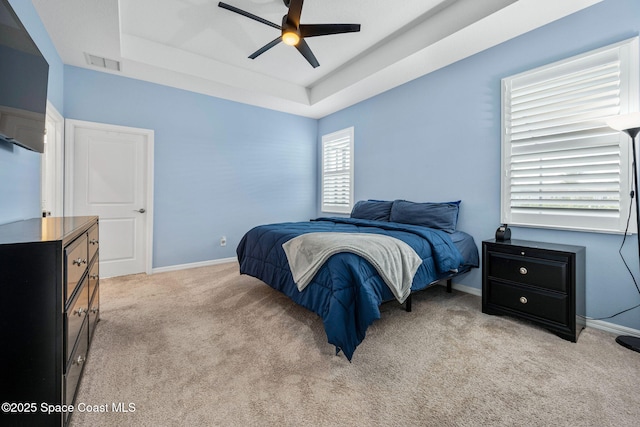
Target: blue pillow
<point x="441" y="216"/>
<point x="377" y="210"/>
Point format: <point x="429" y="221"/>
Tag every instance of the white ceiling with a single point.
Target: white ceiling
<point x="198" y="46"/>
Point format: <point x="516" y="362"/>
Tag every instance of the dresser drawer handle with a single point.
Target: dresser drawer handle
<point x="79" y="261"/>
<point x="94" y="310"/>
<point x="93" y="241"/>
<point x="523" y="270"/>
<point x="80" y="311"/>
<point x="93" y="276"/>
<point x="523" y="300"/>
<point x="79" y="360"/>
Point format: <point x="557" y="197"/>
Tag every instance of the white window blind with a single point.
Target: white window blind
<point x="337" y="171"/>
<point x="563" y="166"/>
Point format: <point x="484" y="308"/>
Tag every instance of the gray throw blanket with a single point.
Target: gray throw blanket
<point x="395" y="261"/>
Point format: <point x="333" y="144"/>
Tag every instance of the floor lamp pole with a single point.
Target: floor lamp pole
<point x="632" y="342"/>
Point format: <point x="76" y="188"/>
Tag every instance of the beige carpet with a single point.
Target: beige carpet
<point x="208" y="347"/>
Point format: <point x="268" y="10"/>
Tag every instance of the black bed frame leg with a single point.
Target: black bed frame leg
<point x="449" y="285"/>
<point x="407" y="304"/>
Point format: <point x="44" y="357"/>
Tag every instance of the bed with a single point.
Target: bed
<point x="347" y="290"/>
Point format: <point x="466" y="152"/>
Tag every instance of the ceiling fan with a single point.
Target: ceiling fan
<point x="292" y="32"/>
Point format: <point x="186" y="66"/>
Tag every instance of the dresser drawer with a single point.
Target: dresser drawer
<point x="74" y="367"/>
<point x="93" y="241"/>
<point x="94" y="277"/>
<point x="74" y="318"/>
<point x="550" y="306"/>
<point x="543" y="273"/>
<point x="94" y="312"/>
<point x="76" y="256"/>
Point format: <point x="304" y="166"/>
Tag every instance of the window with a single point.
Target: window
<point x="337" y="171"/>
<point x="563" y="167"/>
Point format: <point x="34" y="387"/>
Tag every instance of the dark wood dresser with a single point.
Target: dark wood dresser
<point x="540" y="282"/>
<point x="49" y="307"/>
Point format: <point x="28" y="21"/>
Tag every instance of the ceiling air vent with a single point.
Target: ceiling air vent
<point x="101" y="62"/>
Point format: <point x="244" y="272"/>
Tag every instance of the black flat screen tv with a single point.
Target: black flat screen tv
<point x="24" y="75"/>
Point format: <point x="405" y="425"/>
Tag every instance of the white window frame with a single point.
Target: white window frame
<point x="539" y="144"/>
<point x="337" y="174"/>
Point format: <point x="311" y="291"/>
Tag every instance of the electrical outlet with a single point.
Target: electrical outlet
<point x="223" y="241"/>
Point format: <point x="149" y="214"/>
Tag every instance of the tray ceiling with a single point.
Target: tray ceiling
<point x="197" y="46"/>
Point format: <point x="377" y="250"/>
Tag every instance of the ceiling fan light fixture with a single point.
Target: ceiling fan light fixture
<point x="291" y="38"/>
<point x="292" y="33"/>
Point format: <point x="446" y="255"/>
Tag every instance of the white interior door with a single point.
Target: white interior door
<point x="109" y="175"/>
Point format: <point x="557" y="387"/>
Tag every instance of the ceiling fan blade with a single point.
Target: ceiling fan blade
<point x="305" y="50"/>
<point x="265" y="48"/>
<point x="326" y="29"/>
<point x="295" y="10"/>
<point x="248" y="15"/>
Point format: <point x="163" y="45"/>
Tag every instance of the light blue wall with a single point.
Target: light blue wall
<point x="20" y="168"/>
<point x="437" y="138"/>
<point x="220" y="167"/>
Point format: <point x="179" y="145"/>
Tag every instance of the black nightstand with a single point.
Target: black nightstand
<point x="540" y="282"/>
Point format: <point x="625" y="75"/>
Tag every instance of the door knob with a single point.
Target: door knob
<point x="141" y="210"/>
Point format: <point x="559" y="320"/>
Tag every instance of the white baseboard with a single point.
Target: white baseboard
<point x="595" y="324"/>
<point x="612" y="328"/>
<point x="193" y="265"/>
<point x="467" y="289"/>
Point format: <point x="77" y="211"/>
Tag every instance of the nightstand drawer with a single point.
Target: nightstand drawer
<point x="543" y="273"/>
<point x="524" y="299"/>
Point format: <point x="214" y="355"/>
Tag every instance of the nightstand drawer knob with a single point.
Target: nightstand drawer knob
<point x="523" y="300"/>
<point x="523" y="270"/>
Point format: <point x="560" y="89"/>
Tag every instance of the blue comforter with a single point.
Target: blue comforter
<point x="347" y="291"/>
